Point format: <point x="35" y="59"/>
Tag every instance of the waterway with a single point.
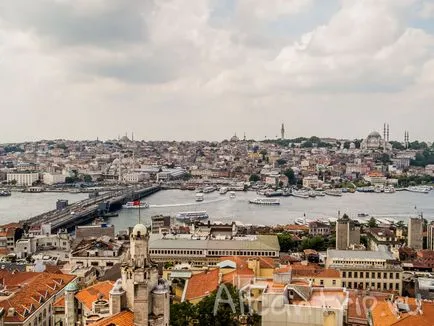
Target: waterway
<point x="221" y="207"/>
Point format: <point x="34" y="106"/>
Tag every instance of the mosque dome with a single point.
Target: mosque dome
<point x="374" y="134"/>
<point x="71" y="287"/>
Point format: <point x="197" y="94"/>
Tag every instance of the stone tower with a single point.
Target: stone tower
<point x="140" y="278"/>
<point x="70" y="304"/>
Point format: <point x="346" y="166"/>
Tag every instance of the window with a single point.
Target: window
<point x="350" y="274"/>
<point x="396" y="286"/>
<point x="384" y="275"/>
<point x="334" y="282"/>
<point x="321" y="282"/>
<point x="356" y="274"/>
<point x="397" y="276"/>
<point x="344" y="284"/>
<point x="344" y="274"/>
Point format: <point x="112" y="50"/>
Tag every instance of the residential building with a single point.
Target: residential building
<point x="415" y="233"/>
<point x="382" y="237"/>
<point x="27" y="297"/>
<point x="368" y="270"/>
<point x="161" y="224"/>
<point x="94" y="231"/>
<point x="22" y="179"/>
<point x="312" y="182"/>
<point x="102" y="252"/>
<point x="52" y="179"/>
<point x="319" y="228"/>
<point x="31" y="244"/>
<point x="430" y="236"/>
<point x="9" y="235"/>
<point x="347" y="233"/>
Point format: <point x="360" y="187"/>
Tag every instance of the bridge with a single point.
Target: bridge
<point x="86" y="210"/>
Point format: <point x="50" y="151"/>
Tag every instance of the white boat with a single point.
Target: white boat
<point x="300" y="194"/>
<point x="208" y="189"/>
<point x="319" y="193"/>
<point x="136" y="204"/>
<point x="300" y="221"/>
<point x="192" y="216"/>
<point x="333" y="192"/>
<point x="223" y="190"/>
<point x="232" y="194"/>
<point x="265" y="201"/>
<point x="419" y="189"/>
<point x="389" y="189"/>
<point x="199" y="196"/>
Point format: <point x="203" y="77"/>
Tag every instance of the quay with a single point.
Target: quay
<point x="86" y="210"/>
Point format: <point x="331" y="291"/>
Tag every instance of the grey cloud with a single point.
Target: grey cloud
<point x="60" y="23"/>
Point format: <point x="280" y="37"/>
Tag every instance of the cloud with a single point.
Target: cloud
<point x="205" y="68"/>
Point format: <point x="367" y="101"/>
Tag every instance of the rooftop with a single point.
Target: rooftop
<point x="359" y="255"/>
<point x="92" y="293"/>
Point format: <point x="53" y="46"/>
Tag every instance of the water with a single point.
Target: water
<point x="221" y="207"/>
<point x="21" y="205"/>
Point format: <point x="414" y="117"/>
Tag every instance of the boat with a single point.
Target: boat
<point x="312" y="194"/>
<point x="300" y="194"/>
<point x="389" y="190"/>
<point x="192" y="216"/>
<point x="275" y="193"/>
<point x="300" y="221"/>
<point x="333" y="192"/>
<point x="265" y="201"/>
<point x="110" y="214"/>
<point x="136" y="204"/>
<point x="378" y="190"/>
<point x="208" y="189"/>
<point x="5" y="193"/>
<point x="223" y="190"/>
<point x="232" y="194"/>
<point x="419" y="189"/>
<point x="199" y="196"/>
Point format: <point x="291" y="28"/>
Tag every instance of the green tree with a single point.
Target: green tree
<point x="285" y="242"/>
<point x="13" y="182"/>
<point x="289" y="173"/>
<point x="281" y="161"/>
<point x="182" y="314"/>
<point x="254" y="178"/>
<point x="87" y="178"/>
<point x="372" y="223"/>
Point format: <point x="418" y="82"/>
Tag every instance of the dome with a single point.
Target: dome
<point x="374" y="134"/>
<point x="161" y="287"/>
<point x="72" y="287"/>
<point x="139" y="229"/>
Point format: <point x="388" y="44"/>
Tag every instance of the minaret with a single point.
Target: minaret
<point x="70" y="304"/>
<point x="132" y="136"/>
<point x="244" y="136"/>
<point x="388" y="134"/>
<point x="282" y="132"/>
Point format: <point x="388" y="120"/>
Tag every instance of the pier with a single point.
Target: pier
<point x="86" y="210"/>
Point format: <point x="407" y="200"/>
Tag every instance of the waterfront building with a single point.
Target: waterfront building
<point x="312" y="182"/>
<point x="102" y="252"/>
<point x="30" y="244"/>
<point x="347" y="233"/>
<point x="161" y="224"/>
<point x="23" y="179"/>
<point x="27" y="298"/>
<point x="205" y="251"/>
<point x="367" y="270"/>
<point x="415" y="233"/>
<point x="51" y="179"/>
<point x="135" y="177"/>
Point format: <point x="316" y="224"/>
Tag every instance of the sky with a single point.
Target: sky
<point x="207" y="69"/>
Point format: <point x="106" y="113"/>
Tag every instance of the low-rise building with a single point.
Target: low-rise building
<point x="319" y="228"/>
<point x="382" y="237"/>
<point x="368" y="270"/>
<point x="23" y="179"/>
<point x="312" y="182"/>
<point x="31" y="244"/>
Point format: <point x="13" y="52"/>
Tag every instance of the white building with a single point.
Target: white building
<point x="311" y="182"/>
<point x="51" y="179"/>
<point x="23" y="179"/>
<point x="135" y="177"/>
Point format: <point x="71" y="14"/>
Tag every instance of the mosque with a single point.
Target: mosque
<point x="375" y="142"/>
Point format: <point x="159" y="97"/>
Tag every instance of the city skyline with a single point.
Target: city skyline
<point x="172" y="70"/>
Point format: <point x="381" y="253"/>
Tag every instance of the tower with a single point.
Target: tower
<point x="415" y="230"/>
<point x="70" y="304"/>
<point x="139" y="280"/>
<point x="282" y="132"/>
<point x="116" y="298"/>
<point x="347" y="233"/>
<point x="388" y="134"/>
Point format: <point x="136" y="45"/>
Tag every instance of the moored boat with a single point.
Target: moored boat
<point x="333" y="192"/>
<point x="300" y="194"/>
<point x="232" y="194"/>
<point x="5" y="193"/>
<point x="192" y="216"/>
<point x="199" y="196"/>
<point x="223" y="190"/>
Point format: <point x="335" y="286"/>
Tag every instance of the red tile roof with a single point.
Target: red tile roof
<point x="124" y="318"/>
<point x="202" y="284"/>
<point x="30" y="291"/>
<point x="92" y="293"/>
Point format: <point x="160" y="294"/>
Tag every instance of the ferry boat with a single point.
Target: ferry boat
<point x="199" y="196"/>
<point x="192" y="216"/>
<point x="232" y="195"/>
<point x="5" y="193"/>
<point x="419" y="189"/>
<point x="319" y="193"/>
<point x="223" y="190"/>
<point x="389" y="190"/>
<point x="333" y="192"/>
<point x="265" y="201"/>
<point x="275" y="193"/>
<point x="136" y="204"/>
<point x="300" y="194"/>
<point x="208" y="189"/>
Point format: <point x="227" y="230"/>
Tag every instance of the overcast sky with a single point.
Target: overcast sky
<point x="205" y="69"/>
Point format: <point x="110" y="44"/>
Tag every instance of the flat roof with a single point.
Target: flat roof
<point x="359" y="255"/>
<point x="262" y="242"/>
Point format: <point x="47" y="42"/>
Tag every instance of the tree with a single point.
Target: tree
<point x="254" y="178"/>
<point x="281" y="161"/>
<point x="13" y="182"/>
<point x="372" y="223"/>
<point x="182" y="313"/>
<point x="285" y="242"/>
<point x="289" y="173"/>
<point x="87" y="178"/>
